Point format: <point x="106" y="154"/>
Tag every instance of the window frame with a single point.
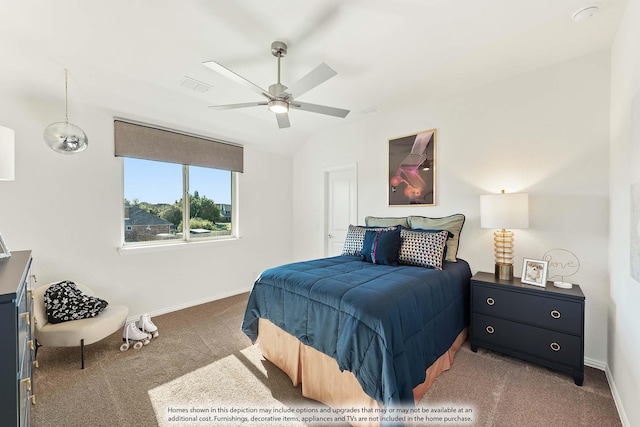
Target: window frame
<point x="186" y="234"/>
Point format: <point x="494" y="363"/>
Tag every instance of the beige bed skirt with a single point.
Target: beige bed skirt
<point x="320" y="376"/>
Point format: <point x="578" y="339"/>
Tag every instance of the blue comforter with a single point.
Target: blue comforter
<point x="385" y="324"/>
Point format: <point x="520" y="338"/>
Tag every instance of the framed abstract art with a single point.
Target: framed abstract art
<point x="412" y="169"/>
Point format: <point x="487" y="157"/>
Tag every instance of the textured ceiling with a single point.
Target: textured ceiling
<point x="129" y="56"/>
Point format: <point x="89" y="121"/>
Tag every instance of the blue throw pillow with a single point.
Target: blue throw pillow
<point x="355" y="237"/>
<point x="381" y="246"/>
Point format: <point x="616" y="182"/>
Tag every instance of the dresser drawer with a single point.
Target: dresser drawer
<point x="547" y="312"/>
<point x="543" y="343"/>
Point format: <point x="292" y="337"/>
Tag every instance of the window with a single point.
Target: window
<point x="176" y="186"/>
<point x="155" y="208"/>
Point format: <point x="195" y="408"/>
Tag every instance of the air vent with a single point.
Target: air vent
<point x="369" y="110"/>
<point x="194" y="84"/>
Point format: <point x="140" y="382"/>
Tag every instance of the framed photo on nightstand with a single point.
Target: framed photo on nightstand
<point x="4" y="251"/>
<point x="534" y="272"/>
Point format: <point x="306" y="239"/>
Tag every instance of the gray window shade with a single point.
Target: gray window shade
<point x="144" y="142"/>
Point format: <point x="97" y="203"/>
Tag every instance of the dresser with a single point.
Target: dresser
<point x="542" y="325"/>
<point x="16" y="340"/>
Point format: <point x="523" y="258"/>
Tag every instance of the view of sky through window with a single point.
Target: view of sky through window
<point x="158" y="182"/>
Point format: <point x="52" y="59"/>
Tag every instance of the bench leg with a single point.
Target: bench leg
<point x="82" y="352"/>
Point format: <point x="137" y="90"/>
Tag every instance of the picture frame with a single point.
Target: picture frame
<point x="412" y="169"/>
<point x="534" y="272"/>
<point x="4" y="251"/>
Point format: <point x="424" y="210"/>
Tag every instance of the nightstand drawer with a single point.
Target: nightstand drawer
<point x="543" y="343"/>
<point x="553" y="313"/>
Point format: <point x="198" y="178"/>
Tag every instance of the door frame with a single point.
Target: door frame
<point x="326" y="172"/>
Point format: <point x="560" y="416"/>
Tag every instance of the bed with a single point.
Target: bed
<point x="358" y="333"/>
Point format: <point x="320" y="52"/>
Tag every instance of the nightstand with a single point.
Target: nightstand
<point x="540" y="325"/>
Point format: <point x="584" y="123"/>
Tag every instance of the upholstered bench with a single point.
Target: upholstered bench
<point x="75" y="333"/>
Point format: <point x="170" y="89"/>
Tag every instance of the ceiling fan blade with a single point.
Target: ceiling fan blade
<point x="232" y="106"/>
<point x="283" y="120"/>
<point x="318" y="75"/>
<point x="322" y="109"/>
<point x="236" y="78"/>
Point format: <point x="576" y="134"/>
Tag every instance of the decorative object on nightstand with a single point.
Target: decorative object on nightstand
<point x="65" y="137"/>
<point x="502" y="212"/>
<point x="7" y="154"/>
<point x="562" y="264"/>
<point x="534" y="272"/>
<point x="540" y="325"/>
<point x="4" y="251"/>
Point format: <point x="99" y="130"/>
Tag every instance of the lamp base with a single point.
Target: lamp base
<point x="504" y="271"/>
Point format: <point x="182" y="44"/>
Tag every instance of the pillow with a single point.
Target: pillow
<point x="381" y="247"/>
<point x="355" y="237"/>
<point x="64" y="302"/>
<point x="452" y="223"/>
<point x="374" y="221"/>
<point x="422" y="248"/>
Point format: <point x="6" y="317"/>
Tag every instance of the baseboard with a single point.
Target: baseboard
<point x="191" y="304"/>
<point x="616" y="398"/>
<point x="595" y="364"/>
<point x="614" y="392"/>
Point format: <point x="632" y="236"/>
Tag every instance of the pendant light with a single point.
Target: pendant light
<point x="65" y="137"/>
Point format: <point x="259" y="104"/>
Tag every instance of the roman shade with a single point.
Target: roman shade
<point x="149" y="143"/>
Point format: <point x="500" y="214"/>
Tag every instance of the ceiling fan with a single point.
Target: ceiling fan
<point x="281" y="98"/>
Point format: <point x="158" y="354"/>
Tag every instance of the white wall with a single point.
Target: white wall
<point x="624" y="317"/>
<point x="68" y="211"/>
<point x="545" y="133"/>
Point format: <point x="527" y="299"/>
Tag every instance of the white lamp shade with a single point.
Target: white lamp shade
<point x="506" y="211"/>
<point x="7" y="154"/>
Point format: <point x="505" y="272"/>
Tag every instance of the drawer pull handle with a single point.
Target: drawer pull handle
<point x="555" y="346"/>
<point x="33" y="399"/>
<point x="490" y="329"/>
<point x="27" y="319"/>
<point x="490" y="301"/>
<point x="27" y="381"/>
<point x="555" y="314"/>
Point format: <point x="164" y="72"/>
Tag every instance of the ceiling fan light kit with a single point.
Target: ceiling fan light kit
<point x="280" y="98"/>
<point x="278" y="106"/>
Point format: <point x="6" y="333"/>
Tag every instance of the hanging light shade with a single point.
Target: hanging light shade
<point x="65" y="137"/>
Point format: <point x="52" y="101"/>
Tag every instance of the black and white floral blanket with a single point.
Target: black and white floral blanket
<point x="64" y="302"/>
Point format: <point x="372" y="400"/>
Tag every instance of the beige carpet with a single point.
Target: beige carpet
<point x="202" y="361"/>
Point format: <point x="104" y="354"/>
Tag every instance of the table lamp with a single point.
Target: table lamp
<point x="503" y="212"/>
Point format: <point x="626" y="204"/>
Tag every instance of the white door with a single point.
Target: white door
<point x="341" y="206"/>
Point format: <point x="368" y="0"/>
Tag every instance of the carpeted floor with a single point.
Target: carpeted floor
<point x="202" y="365"/>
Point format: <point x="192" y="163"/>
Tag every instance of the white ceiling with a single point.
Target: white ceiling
<point x="129" y="56"/>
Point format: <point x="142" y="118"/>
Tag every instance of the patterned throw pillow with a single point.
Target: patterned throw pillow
<point x="422" y="248"/>
<point x="64" y="302"/>
<point x="355" y="238"/>
<point x="381" y="247"/>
